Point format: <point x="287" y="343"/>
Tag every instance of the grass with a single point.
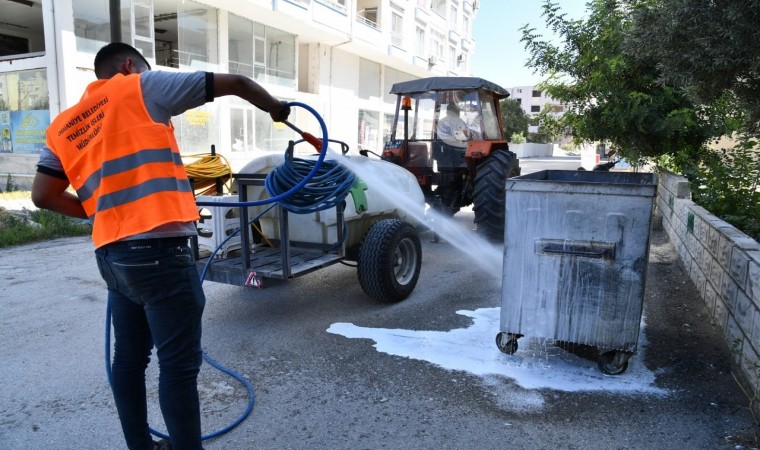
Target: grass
<point x="24" y="227"/>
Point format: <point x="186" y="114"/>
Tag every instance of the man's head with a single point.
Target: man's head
<point x="452" y="108"/>
<point x="118" y="57"/>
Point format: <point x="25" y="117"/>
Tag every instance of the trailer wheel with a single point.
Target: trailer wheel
<point x="613" y="363"/>
<point x="389" y="262"/>
<point x="489" y="193"/>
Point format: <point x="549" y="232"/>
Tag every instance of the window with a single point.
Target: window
<point x="22" y="28"/>
<point x="24" y="111"/>
<point x="439" y="7"/>
<point x="419" y="48"/>
<point x="185" y="35"/>
<point x="240" y="46"/>
<point x="368" y="130"/>
<point x="462" y="60"/>
<point x="338" y="4"/>
<point x="270" y="136"/>
<point x="535" y="108"/>
<point x="274" y="56"/>
<point x="91" y="25"/>
<point x="437" y="44"/>
<point x="367" y="16"/>
<point x="536" y="93"/>
<point x="139" y="27"/>
<point x="453" y="16"/>
<point x="466" y="24"/>
<point x="397" y="30"/>
<point x="452" y="57"/>
<point x="197" y="26"/>
<point x="241" y="127"/>
<point x="387" y="126"/>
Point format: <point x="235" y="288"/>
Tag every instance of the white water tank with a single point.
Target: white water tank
<point x="391" y="191"/>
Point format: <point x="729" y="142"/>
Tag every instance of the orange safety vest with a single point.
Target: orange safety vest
<point x="125" y="167"/>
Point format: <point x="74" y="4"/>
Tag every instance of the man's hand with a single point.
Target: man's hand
<point x="282" y="113"/>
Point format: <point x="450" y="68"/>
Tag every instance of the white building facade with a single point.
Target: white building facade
<point x="533" y="101"/>
<point x="338" y="56"/>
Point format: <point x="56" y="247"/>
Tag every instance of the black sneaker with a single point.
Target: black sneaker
<point x="163" y="444"/>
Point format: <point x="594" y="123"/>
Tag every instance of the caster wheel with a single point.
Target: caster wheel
<point x="506" y="342"/>
<point x="613" y="363"/>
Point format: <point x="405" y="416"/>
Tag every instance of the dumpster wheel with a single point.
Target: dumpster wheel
<point x="507" y="342"/>
<point x="613" y="362"/>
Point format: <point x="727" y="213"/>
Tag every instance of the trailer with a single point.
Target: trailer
<point x="244" y="241"/>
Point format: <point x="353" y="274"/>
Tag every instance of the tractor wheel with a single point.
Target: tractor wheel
<point x="389" y="262"/>
<point x="489" y="194"/>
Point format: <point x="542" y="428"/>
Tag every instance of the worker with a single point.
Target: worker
<point x="451" y="129"/>
<point x="116" y="148"/>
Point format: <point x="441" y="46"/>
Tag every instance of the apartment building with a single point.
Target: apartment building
<point x="338" y="56"/>
<point x="533" y="101"/>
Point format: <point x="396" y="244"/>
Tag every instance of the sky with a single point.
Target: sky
<point x="499" y="55"/>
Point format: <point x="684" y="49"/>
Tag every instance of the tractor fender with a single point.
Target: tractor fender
<point x="478" y="151"/>
<point x="482" y="149"/>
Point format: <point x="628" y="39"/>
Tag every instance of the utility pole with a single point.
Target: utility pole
<point x="114" y="7"/>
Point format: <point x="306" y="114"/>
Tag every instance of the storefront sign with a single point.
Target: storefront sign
<point x="27" y="132"/>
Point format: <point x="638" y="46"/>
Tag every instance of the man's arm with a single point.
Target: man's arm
<point x="49" y="192"/>
<point x="252" y="92"/>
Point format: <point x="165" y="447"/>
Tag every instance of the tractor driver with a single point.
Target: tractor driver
<point x="116" y="148"/>
<point x="451" y="129"/>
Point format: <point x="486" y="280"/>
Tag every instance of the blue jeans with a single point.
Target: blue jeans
<point x="156" y="298"/>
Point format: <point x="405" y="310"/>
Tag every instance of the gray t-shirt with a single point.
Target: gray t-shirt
<point x="165" y="94"/>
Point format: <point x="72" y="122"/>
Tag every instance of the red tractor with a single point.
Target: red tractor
<point x="448" y="132"/>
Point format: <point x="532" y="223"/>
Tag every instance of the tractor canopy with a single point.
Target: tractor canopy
<point x="455" y="110"/>
<point x="448" y="83"/>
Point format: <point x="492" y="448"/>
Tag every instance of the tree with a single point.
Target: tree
<point x="708" y="48"/>
<point x="515" y="120"/>
<point x="611" y="96"/>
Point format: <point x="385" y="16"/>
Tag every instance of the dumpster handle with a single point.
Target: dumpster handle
<point x="586" y="249"/>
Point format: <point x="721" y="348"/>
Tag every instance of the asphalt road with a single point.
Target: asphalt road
<point x="322" y="390"/>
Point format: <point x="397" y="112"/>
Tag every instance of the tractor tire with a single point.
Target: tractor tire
<point x="389" y="262"/>
<point x="489" y="193"/>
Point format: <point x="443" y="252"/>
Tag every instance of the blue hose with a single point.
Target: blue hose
<point x="284" y="186"/>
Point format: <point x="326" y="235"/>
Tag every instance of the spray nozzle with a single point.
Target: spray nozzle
<point x="308" y="137"/>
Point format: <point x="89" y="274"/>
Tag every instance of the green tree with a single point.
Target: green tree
<point x="708" y="48"/>
<point x="515" y="120"/>
<point x="611" y="96"/>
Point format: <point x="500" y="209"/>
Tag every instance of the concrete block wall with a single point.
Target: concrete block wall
<point x="532" y="150"/>
<point x="724" y="265"/>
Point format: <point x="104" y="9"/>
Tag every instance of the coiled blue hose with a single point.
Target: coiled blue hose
<point x="324" y="179"/>
<point x="328" y="187"/>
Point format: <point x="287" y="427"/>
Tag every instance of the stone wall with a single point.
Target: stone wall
<point x="724" y="265"/>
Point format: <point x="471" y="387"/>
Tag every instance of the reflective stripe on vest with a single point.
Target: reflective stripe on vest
<point x="124" y="164"/>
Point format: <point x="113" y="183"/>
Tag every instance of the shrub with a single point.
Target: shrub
<point x="726" y="182"/>
<point x="39" y="225"/>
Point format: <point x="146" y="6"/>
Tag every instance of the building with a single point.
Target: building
<point x="338" y="56"/>
<point x="533" y="101"/>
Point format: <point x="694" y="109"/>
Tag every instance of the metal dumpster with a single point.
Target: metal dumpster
<point x="575" y="255"/>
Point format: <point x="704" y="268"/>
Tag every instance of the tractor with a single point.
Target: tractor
<point x="448" y="132"/>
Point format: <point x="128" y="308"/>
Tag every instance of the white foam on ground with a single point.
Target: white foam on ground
<point x="538" y="363"/>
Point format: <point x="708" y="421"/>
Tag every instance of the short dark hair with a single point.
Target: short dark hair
<point x="110" y="56"/>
